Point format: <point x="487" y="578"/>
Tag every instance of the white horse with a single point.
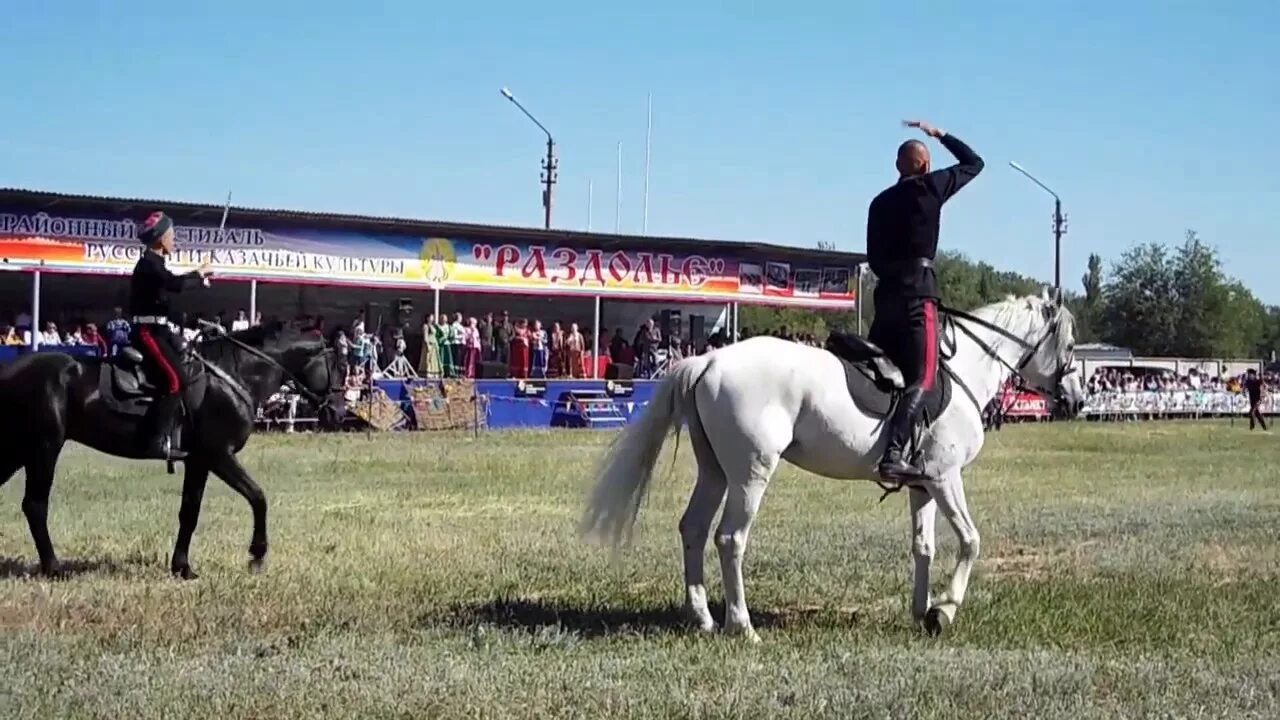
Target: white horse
<point x="754" y="403"/>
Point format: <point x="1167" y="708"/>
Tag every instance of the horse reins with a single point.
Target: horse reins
<point x="289" y="378"/>
<point x="1031" y="350"/>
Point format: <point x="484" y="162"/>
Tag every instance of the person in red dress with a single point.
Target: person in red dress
<point x="519" y="356"/>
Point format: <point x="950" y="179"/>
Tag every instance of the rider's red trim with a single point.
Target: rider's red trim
<point x="149" y="342"/>
<point x="930" y="344"/>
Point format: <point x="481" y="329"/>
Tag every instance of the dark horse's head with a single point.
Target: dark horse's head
<point x="272" y="354"/>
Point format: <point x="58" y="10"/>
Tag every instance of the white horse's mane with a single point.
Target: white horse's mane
<point x="1026" y="316"/>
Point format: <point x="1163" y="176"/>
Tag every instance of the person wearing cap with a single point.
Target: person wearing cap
<point x="150" y="289"/>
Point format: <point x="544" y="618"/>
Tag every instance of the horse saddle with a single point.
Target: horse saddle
<point x="875" y="382"/>
<point x="123" y="385"/>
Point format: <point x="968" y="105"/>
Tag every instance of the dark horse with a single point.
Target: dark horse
<point x="49" y="398"/>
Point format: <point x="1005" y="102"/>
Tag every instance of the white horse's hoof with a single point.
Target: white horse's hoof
<point x="939" y="618"/>
<point x="700" y="621"/>
<point x="747" y="633"/>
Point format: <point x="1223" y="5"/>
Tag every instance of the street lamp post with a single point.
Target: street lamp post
<point x="1059" y="226"/>
<point x="548" y="175"/>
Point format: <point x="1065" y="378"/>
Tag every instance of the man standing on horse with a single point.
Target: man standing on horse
<point x="902" y="241"/>
<point x="149" y="290"/>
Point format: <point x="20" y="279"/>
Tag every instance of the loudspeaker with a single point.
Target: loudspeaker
<point x="698" y="333"/>
<point x="619" y="371"/>
<point x="491" y="370"/>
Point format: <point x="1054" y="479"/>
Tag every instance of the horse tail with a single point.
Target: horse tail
<point x="622" y="478"/>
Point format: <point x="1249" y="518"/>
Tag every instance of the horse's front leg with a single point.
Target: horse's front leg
<point x="195" y="477"/>
<point x="923" y="512"/>
<point x="233" y="474"/>
<point x="948" y="492"/>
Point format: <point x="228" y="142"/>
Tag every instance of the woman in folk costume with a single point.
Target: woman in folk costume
<point x="429" y="362"/>
<point x="443" y="349"/>
<point x="574" y="345"/>
<point x="555" y="343"/>
<point x="518" y="364"/>
<point x="470" y="347"/>
<point x="538" y="346"/>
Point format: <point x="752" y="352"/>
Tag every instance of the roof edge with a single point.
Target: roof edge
<point x="430" y="227"/>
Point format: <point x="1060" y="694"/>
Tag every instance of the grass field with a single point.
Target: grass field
<point x="1128" y="571"/>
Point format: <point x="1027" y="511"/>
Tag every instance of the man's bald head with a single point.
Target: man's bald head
<point x="913" y="158"/>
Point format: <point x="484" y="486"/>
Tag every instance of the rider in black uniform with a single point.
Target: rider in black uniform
<point x="149" y="291"/>
<point x="902" y="240"/>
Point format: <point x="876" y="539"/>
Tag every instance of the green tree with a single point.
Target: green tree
<point x="1088" y="307"/>
<point x="1140" y="313"/>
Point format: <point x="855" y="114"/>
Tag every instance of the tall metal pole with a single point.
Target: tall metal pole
<point x="253" y="301"/>
<point x="591" y="186"/>
<point x="595" y="348"/>
<point x="549" y="166"/>
<point x="1057" y="245"/>
<point x="617" y="204"/>
<point x="35" y="309"/>
<point x="648" y="149"/>
<point x="548" y="180"/>
<point x="1059" y="227"/>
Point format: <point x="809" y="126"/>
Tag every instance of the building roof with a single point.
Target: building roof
<point x="1102" y="351"/>
<point x="185" y="211"/>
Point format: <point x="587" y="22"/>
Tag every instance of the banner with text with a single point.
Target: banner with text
<point x="81" y="244"/>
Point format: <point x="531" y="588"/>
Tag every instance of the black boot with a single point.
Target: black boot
<point x="894" y="466"/>
<point x="157" y="429"/>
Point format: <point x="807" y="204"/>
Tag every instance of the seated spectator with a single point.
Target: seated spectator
<point x="10" y="336"/>
<point x="73" y="337"/>
<point x="91" y="338"/>
<point x="50" y="335"/>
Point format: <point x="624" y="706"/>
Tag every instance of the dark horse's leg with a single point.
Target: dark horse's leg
<point x="35" y="503"/>
<point x="196" y="474"/>
<point x="229" y="469"/>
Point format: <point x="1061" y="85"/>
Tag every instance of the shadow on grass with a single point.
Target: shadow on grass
<point x="18" y="569"/>
<point x="594" y="621"/>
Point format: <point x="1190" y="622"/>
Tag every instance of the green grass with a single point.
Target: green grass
<point x="1127" y="571"/>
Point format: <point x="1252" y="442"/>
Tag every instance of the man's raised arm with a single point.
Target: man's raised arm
<point x="948" y="181"/>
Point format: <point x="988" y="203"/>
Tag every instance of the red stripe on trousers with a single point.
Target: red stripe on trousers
<point x="144" y="334"/>
<point x="930" y="345"/>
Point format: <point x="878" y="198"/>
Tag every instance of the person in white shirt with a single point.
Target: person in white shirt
<point x="50" y="335"/>
<point x="241" y="322"/>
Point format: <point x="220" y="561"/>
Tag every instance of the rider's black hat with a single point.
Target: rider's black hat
<point x="156" y="225"/>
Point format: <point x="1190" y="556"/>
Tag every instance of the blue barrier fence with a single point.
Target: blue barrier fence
<point x="507" y="403"/>
<point x="543" y="403"/>
<point x="9" y="353"/>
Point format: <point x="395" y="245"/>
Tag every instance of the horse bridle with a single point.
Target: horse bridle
<point x="289" y="378"/>
<point x="1065" y="367"/>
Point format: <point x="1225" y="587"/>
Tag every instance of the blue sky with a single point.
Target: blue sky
<point x="772" y="121"/>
